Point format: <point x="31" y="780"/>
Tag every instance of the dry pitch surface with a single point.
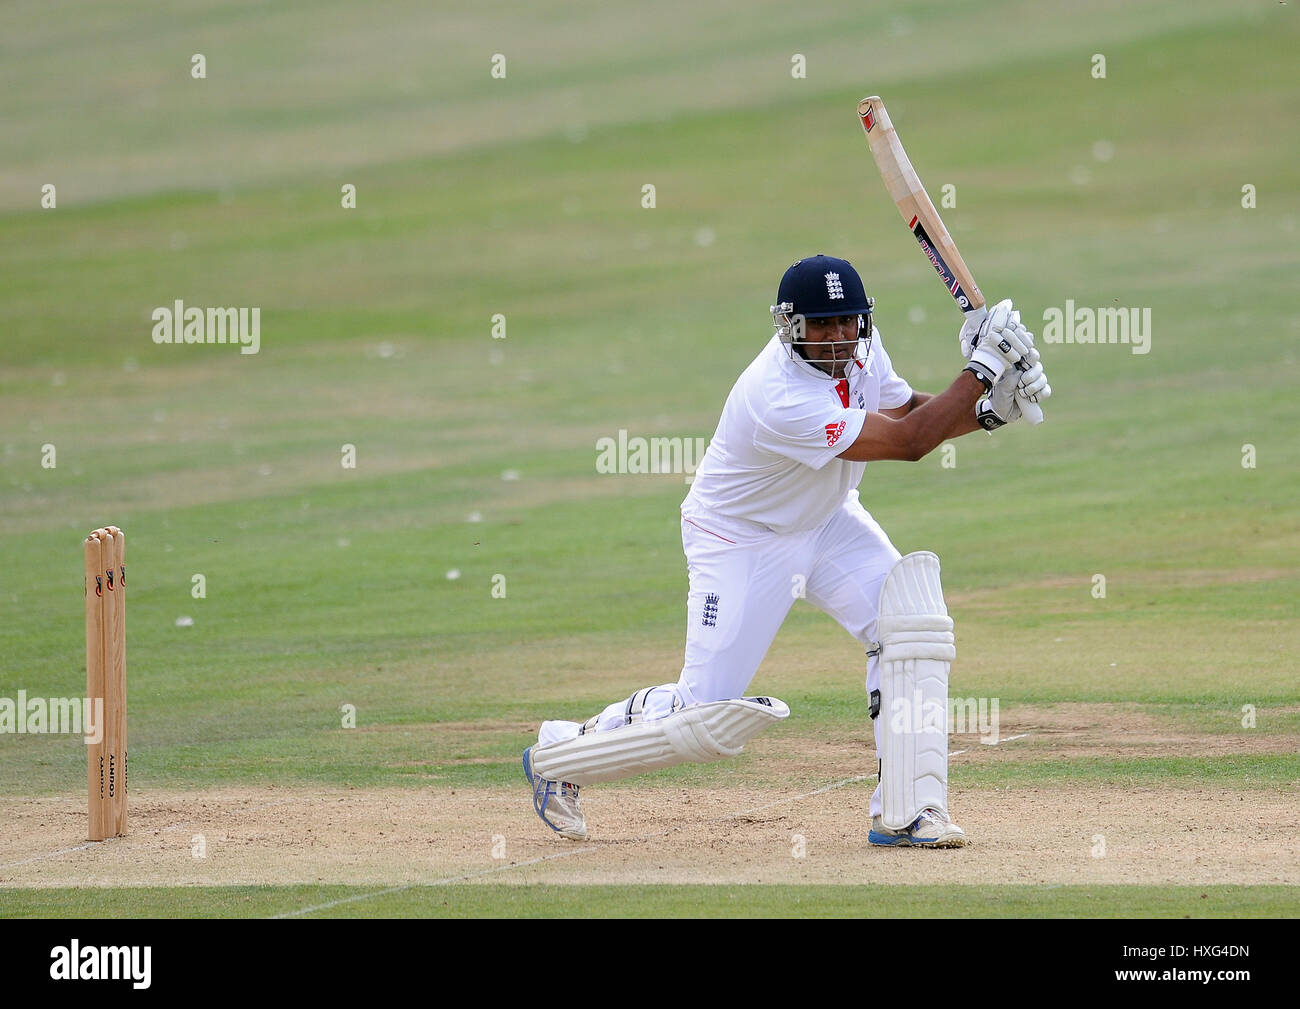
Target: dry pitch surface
<point x="642" y="832"/>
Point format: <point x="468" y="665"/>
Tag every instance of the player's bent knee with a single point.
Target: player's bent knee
<point x="646" y="704"/>
<point x="698" y="733"/>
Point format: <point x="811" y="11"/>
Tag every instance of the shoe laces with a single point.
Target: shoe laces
<point x="544" y="790"/>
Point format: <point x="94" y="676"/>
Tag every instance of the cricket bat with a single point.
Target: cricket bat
<point x="918" y="211"/>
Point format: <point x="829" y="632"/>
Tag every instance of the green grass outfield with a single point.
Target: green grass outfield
<point x="750" y="900"/>
<point x="328" y="586"/>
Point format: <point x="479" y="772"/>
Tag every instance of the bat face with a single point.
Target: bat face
<point x="923" y="220"/>
<point x="914" y="204"/>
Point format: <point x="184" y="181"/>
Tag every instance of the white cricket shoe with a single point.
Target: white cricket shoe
<point x="932" y="829"/>
<point x="556" y="803"/>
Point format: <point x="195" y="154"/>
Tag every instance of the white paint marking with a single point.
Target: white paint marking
<point x="53" y="854"/>
<point x="589" y="846"/>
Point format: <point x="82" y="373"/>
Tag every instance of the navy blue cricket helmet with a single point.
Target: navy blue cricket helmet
<point x="820" y="287"/>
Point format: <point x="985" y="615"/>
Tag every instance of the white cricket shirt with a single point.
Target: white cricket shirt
<point x="773" y="459"/>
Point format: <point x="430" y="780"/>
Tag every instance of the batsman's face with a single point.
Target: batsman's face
<point x="829" y="343"/>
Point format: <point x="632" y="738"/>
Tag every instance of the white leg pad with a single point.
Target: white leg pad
<point x="916" y="651"/>
<point x="700" y="732"/>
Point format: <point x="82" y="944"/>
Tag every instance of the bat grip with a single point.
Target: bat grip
<point x="1032" y="411"/>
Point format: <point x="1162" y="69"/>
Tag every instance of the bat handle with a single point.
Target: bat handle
<point x="1032" y="411"/>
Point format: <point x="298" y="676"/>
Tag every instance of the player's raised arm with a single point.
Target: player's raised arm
<point x="941" y="417"/>
<point x="953" y="412"/>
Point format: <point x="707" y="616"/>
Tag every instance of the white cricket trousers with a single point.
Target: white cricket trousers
<point x="743" y="580"/>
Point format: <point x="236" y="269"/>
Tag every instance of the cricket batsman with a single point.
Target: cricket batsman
<point x="773" y="515"/>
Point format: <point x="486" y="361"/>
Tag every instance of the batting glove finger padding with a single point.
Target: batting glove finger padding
<point x="969" y="334"/>
<point x="1033" y="383"/>
<point x="999" y="316"/>
<point x="1026" y="337"/>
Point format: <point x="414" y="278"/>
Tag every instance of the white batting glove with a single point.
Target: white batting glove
<point x="969" y="333"/>
<point x="971" y="325"/>
<point x="999" y="407"/>
<point x="1033" y="380"/>
<point x="997" y="347"/>
<point x="1014" y="323"/>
